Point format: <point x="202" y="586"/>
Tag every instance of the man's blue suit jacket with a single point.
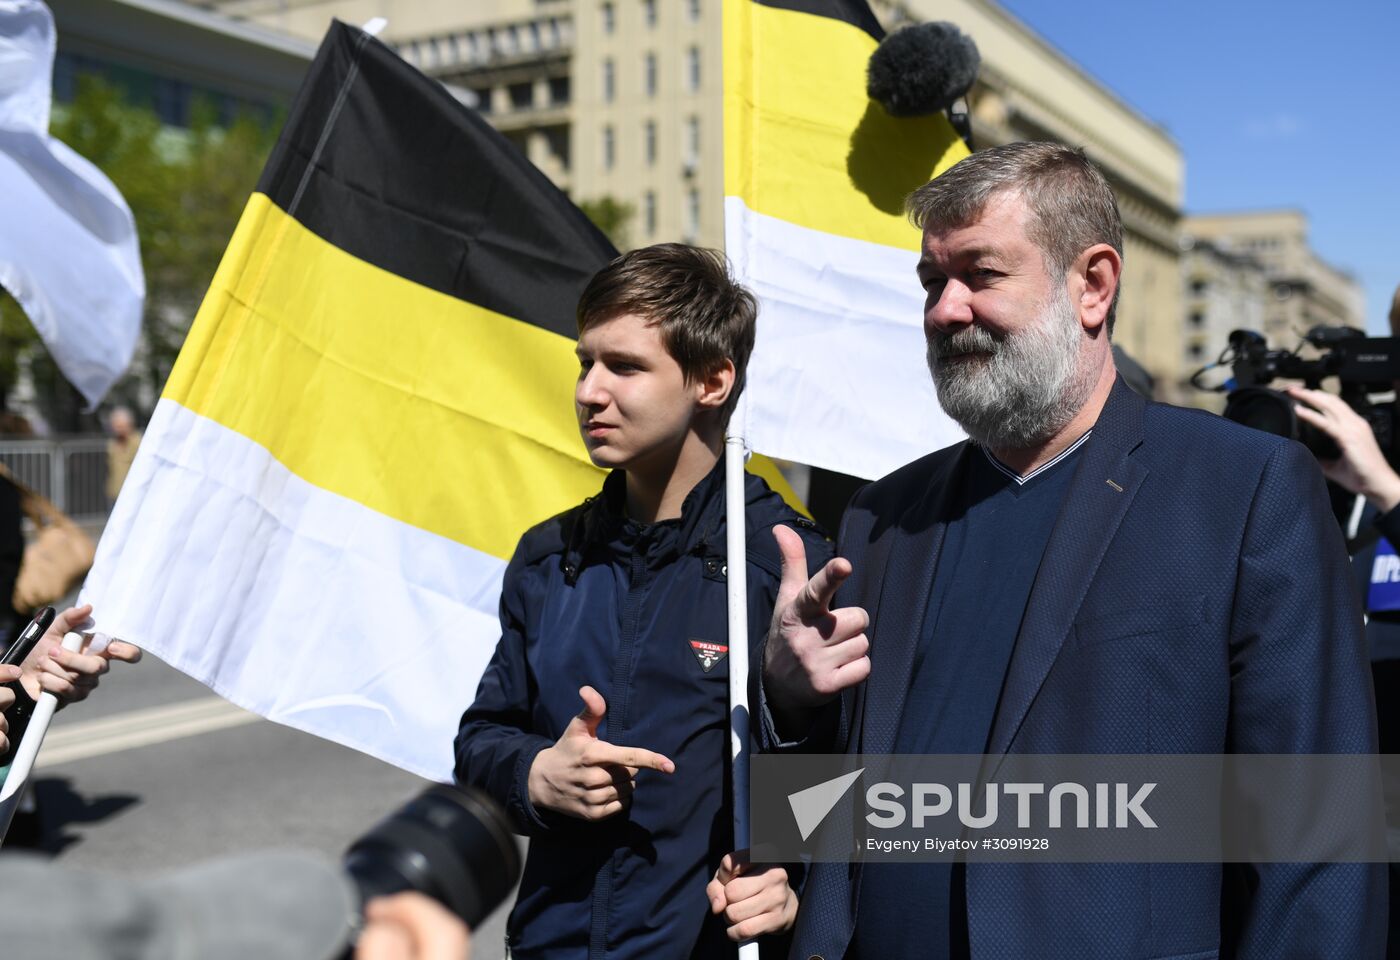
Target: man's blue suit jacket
<point x="1194" y="598"/>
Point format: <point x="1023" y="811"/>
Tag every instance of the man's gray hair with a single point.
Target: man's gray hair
<point x="1071" y="205"/>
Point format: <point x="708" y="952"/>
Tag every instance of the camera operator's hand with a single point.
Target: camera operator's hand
<point x="7" y="698"/>
<point x="755" y="900"/>
<point x="70" y="675"/>
<point x="411" y="926"/>
<point x="585" y="777"/>
<point x="1362" y="467"/>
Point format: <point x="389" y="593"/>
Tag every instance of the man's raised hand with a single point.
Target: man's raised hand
<point x="813" y="652"/>
<point x="585" y="777"/>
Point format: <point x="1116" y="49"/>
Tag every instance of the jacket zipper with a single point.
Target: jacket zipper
<point x="619" y="713"/>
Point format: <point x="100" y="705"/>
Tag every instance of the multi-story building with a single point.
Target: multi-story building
<point x="1222" y="291"/>
<point x="623" y="99"/>
<point x="1304" y="291"/>
<point x="168" y="55"/>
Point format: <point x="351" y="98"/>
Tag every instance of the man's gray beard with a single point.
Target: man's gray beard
<point x="1029" y="387"/>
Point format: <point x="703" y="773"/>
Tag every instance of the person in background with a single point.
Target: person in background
<point x="11" y="533"/>
<point x="11" y="556"/>
<point x="1362" y="469"/>
<point x="70" y="675"/>
<point x="121" y="450"/>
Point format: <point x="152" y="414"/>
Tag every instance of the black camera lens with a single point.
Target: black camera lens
<point x="452" y="844"/>
<point x="1272" y="412"/>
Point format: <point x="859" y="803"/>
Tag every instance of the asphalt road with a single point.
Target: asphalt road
<point x="154" y="771"/>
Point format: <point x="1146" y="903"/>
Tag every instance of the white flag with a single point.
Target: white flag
<point x="68" y="249"/>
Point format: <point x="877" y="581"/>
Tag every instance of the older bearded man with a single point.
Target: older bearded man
<point x="1089" y="573"/>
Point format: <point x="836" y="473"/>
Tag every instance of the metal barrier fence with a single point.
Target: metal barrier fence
<point x="70" y="471"/>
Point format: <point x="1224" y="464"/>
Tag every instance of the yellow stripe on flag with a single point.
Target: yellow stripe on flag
<point x="803" y="142"/>
<point x="390" y="394"/>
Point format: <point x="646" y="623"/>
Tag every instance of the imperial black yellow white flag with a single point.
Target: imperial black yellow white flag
<point x="815" y="179"/>
<point x="374" y="402"/>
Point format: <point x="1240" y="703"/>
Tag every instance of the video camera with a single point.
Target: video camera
<point x="452" y="844"/>
<point x="1363" y="365"/>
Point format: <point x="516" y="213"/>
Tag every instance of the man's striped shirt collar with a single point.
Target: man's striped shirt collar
<point x="1020" y="480"/>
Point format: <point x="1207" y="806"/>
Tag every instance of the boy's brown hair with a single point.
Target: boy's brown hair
<point x="704" y="315"/>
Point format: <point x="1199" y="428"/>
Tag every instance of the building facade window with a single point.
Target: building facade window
<point x="1197" y="318"/>
<point x="609" y="148"/>
<point x="558" y="140"/>
<point x="649" y="74"/>
<point x="692" y="215"/>
<point x="522" y="95"/>
<point x="609" y="81"/>
<point x="692" y="69"/>
<point x="558" y="91"/>
<point x="649" y="213"/>
<point x="649" y="12"/>
<point x="609" y="17"/>
<point x="690" y="149"/>
<point x="649" y="142"/>
<point x="171" y="101"/>
<point x="693" y="8"/>
<point x="483" y="99"/>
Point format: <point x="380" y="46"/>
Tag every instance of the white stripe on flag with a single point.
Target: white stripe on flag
<point x="293" y="602"/>
<point x="838" y="377"/>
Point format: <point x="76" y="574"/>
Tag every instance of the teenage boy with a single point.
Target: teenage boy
<point x="602" y="721"/>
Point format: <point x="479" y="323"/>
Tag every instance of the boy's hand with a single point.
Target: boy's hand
<point x="755" y="900"/>
<point x="585" y="777"/>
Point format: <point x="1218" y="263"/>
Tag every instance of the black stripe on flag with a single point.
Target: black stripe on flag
<point x="401" y="175"/>
<point x="855" y="12"/>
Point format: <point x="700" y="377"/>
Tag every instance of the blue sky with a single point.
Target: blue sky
<point x="1281" y="104"/>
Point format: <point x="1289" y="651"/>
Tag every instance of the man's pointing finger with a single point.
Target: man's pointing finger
<point x="815" y="598"/>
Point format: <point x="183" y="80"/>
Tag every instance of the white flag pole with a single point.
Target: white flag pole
<point x="23" y="762"/>
<point x="736" y="577"/>
<point x="737" y="568"/>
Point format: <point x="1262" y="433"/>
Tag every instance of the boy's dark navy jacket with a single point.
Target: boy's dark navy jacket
<point x="593" y="598"/>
